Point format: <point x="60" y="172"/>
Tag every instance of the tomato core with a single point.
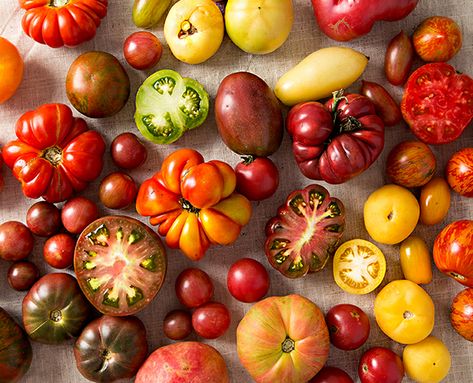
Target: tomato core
<point x="58" y="3"/>
<point x="288" y="345"/>
<point x="407" y="315"/>
<point x="186" y="205"/>
<point x="55" y="315"/>
<point x="187" y="29"/>
<point x="53" y="155"/>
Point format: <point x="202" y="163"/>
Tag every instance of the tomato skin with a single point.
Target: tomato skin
<point x="386" y="107"/>
<point x="398" y="59"/>
<point x="248" y="280"/>
<point x="211" y="320"/>
<point x="22" y="275"/>
<point x="16" y="241"/>
<point x="147" y="13"/>
<point x="194" y="287"/>
<point x="380" y="364"/>
<point x="460" y="172"/>
<point x="127" y="151"/>
<point x="434" y="201"/>
<point x="43" y="219"/>
<point x="415" y="260"/>
<point x="77" y="213"/>
<point x="58" y="251"/>
<point x="142" y="50"/>
<point x="177" y="324"/>
<point x="329" y="374"/>
<point x="117" y="190"/>
<point x="11" y="69"/>
<point x="348" y="325"/>
<point x="461" y="314"/>
<point x="257" y="178"/>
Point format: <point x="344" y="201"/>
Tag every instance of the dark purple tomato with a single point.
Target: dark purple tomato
<point x="257" y="178"/>
<point x="58" y="251"/>
<point x="16" y="241"/>
<point x="117" y="190"/>
<point x="22" y="275"/>
<point x="177" y="324"/>
<point x="194" y="287"/>
<point x="211" y="320"/>
<point x="77" y="213"/>
<point x="348" y="325"/>
<point x="142" y="50"/>
<point x="127" y="151"/>
<point x="248" y="280"/>
<point x="330" y="374"/>
<point x="380" y="364"/>
<point x="43" y="219"/>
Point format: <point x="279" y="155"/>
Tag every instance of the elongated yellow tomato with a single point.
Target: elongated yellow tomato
<point x="434" y="201"/>
<point x="404" y="312"/>
<point x="415" y="259"/>
<point x="194" y="30"/>
<point x="320" y="74"/>
<point x="259" y="26"/>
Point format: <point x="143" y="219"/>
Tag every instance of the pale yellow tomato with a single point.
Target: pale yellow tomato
<point x="416" y="263"/>
<point x="434" y="201"/>
<point x="259" y="26"/>
<point x="194" y="30"/>
<point x="427" y="361"/>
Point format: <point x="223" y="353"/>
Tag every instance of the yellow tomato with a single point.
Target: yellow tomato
<point x="427" y="361"/>
<point x="434" y="201"/>
<point x="404" y="311"/>
<point x="11" y="69"/>
<point x="358" y="266"/>
<point x="194" y="30"/>
<point x="320" y="74"/>
<point x="415" y="260"/>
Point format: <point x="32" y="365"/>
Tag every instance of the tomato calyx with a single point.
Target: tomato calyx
<point x="407" y="315"/>
<point x="187" y="29"/>
<point x="58" y="3"/>
<point x="457" y="276"/>
<point x="246" y="160"/>
<point x="55" y="315"/>
<point x="288" y="345"/>
<point x="186" y="205"/>
<point x="53" y="155"/>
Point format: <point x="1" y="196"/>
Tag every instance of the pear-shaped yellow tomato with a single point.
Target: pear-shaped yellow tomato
<point x="427" y="361"/>
<point x="404" y="312"/>
<point x="259" y="26"/>
<point x="434" y="201"/>
<point x="416" y="263"/>
<point x="194" y="30"/>
<point x="320" y="74"/>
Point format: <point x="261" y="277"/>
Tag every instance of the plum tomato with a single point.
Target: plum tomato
<point x="11" y="69"/>
<point x="21" y="275"/>
<point x="416" y="263"/>
<point x="211" y="320"/>
<point x="177" y="324"/>
<point x="58" y="251"/>
<point x="460" y="172"/>
<point x="398" y="59"/>
<point x="461" y="314"/>
<point x="120" y="264"/>
<point x="329" y="374"/>
<point x="386" y="107"/>
<point x="16" y="241"/>
<point x="359" y="266"/>
<point x="147" y="13"/>
<point x="257" y="178"/>
<point x="77" y="213"/>
<point x="434" y="201"/>
<point x="348" y="325"/>
<point x="247" y="280"/>
<point x="43" y="219"/>
<point x="142" y="50"/>
<point x="117" y="190"/>
<point x="194" y="287"/>
<point x="127" y="151"/>
<point x="380" y="364"/>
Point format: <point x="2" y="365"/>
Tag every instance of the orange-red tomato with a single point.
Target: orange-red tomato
<point x="434" y="201"/>
<point x="460" y="172"/>
<point x="11" y="69"/>
<point x="461" y="314"/>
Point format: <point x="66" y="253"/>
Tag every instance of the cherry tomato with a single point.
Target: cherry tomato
<point x="461" y="314"/>
<point x="329" y="374"/>
<point x="11" y="69"/>
<point x="460" y="172"/>
<point x="415" y="260"/>
<point x="194" y="287"/>
<point x="248" y="280"/>
<point x="43" y="219"/>
<point x="398" y="59"/>
<point x="16" y="241"/>
<point x="117" y="190"/>
<point x="434" y="201"/>
<point x="348" y="325"/>
<point x="142" y="50"/>
<point x="177" y="324"/>
<point x="127" y="151"/>
<point x="58" y="251"/>
<point x="21" y="275"/>
<point x="211" y="320"/>
<point x="257" y="178"/>
<point x="385" y="105"/>
<point x="380" y="364"/>
<point x="77" y="213"/>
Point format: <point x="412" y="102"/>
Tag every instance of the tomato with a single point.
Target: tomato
<point x="148" y="13"/>
<point x="55" y="153"/>
<point x="348" y="325"/>
<point x="194" y="30"/>
<point x="43" y="219"/>
<point x="278" y="331"/>
<point x="171" y="200"/>
<point x="410" y="164"/>
<point x="330" y="374"/>
<point x="415" y="260"/>
<point x="2" y="183"/>
<point x="460" y="172"/>
<point x="437" y="38"/>
<point x="11" y="69"/>
<point x="358" y="266"/>
<point x="142" y="50"/>
<point x="111" y="348"/>
<point x="453" y="251"/>
<point x="247" y="280"/>
<point x="427" y="361"/>
<point x="16" y="241"/>
<point x="22" y="275"/>
<point x="434" y="201"/>
<point x="15" y="350"/>
<point x="117" y="190"/>
<point x="336" y="141"/>
<point x="89" y="80"/>
<point x="167" y="105"/>
<point x="127" y="151"/>
<point x="398" y="59"/>
<point x="120" y="265"/>
<point x="380" y="364"/>
<point x="62" y="22"/>
<point x="177" y="324"/>
<point x="305" y="232"/>
<point x="461" y="314"/>
<point x="77" y="213"/>
<point x="320" y="74"/>
<point x="438" y="103"/>
<point x="257" y="178"/>
<point x="259" y="27"/>
<point x="211" y="320"/>
<point x="390" y="214"/>
<point x="58" y="251"/>
<point x="404" y="312"/>
<point x="54" y="310"/>
<point x="194" y="287"/>
<point x="386" y="107"/>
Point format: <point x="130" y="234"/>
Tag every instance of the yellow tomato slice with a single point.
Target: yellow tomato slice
<point x="358" y="266"/>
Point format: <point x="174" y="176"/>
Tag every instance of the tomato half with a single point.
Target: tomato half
<point x="460" y="172"/>
<point x="11" y="69"/>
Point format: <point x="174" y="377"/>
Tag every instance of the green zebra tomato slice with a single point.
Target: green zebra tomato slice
<point x="167" y="105"/>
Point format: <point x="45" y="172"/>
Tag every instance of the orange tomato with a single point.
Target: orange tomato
<point x="415" y="260"/>
<point x="434" y="201"/>
<point x="11" y="69"/>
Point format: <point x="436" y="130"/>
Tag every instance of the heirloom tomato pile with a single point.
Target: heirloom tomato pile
<point x="215" y="191"/>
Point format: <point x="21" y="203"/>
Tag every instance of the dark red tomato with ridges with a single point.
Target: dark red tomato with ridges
<point x="142" y="50"/>
<point x="380" y="364"/>
<point x="177" y="324"/>
<point x="127" y="151"/>
<point x="329" y="374"/>
<point x="459" y="172"/>
<point x="349" y="326"/>
<point x="117" y="190"/>
<point x="248" y="280"/>
<point x="257" y="178"/>
<point x="16" y="241"/>
<point x="461" y="314"/>
<point x="43" y="219"/>
<point x="194" y="287"/>
<point x="77" y="213"/>
<point x="211" y="320"/>
<point x="22" y="275"/>
<point x="58" y="251"/>
<point x="398" y="59"/>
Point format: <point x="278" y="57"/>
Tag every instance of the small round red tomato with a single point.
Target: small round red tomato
<point x="11" y="69"/>
<point x="194" y="287"/>
<point x="257" y="178"/>
<point x="411" y="164"/>
<point x="380" y="364"/>
<point x="211" y="320"/>
<point x="77" y="213"/>
<point x="43" y="219"/>
<point x="117" y="190"/>
<point x="437" y="39"/>
<point x="16" y="241"/>
<point x="127" y="151"/>
<point x="329" y="374"/>
<point x="177" y="324"/>
<point x="349" y="326"/>
<point x="248" y="280"/>
<point x="461" y="314"/>
<point x="142" y="50"/>
<point x="21" y="275"/>
<point x="434" y="201"/>
<point x="58" y="251"/>
<point x="460" y="172"/>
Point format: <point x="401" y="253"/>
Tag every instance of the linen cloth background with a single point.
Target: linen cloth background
<point x="45" y="72"/>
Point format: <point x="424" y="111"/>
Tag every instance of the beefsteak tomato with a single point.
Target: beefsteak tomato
<point x="194" y="203"/>
<point x="55" y="153"/>
<point x="62" y="22"/>
<point x="460" y="172"/>
<point x="336" y="141"/>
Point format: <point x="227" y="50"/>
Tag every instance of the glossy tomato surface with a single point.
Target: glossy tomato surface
<point x="248" y="280"/>
<point x="434" y="201"/>
<point x="459" y="172"/>
<point x="416" y="262"/>
<point x="398" y="59"/>
<point x="380" y="364"/>
<point x="77" y="213"/>
<point x="142" y="50"/>
<point x="257" y="178"/>
<point x="461" y="314"/>
<point x="117" y="190"/>
<point x="11" y="69"/>
<point x="194" y="287"/>
<point x="127" y="151"/>
<point x="43" y="219"/>
<point x="211" y="320"/>
<point x="58" y="251"/>
<point x="329" y="374"/>
<point x="177" y="324"/>
<point x="348" y="325"/>
<point x="22" y="275"/>
<point x="385" y="105"/>
<point x="16" y="241"/>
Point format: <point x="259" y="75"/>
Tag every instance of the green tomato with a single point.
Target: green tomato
<point x="259" y="26"/>
<point x="147" y="13"/>
<point x="167" y="105"/>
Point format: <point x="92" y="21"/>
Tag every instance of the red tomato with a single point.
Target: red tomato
<point x="460" y="172"/>
<point x="127" y="151"/>
<point x="16" y="241"/>
<point x="1" y="176"/>
<point x="117" y="190"/>
<point x="330" y="374"/>
<point x="177" y="324"/>
<point x="58" y="251"/>
<point x="437" y="103"/>
<point x="211" y="320"/>
<point x="55" y="154"/>
<point x="398" y="59"/>
<point x="349" y="326"/>
<point x="257" y="178"/>
<point x="380" y="364"/>
<point x="385" y="105"/>
<point x="77" y="213"/>
<point x="11" y="70"/>
<point x="43" y="219"/>
<point x="248" y="280"/>
<point x="461" y="314"/>
<point x="58" y="22"/>
<point x="142" y="50"/>
<point x="22" y="275"/>
<point x="194" y="287"/>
